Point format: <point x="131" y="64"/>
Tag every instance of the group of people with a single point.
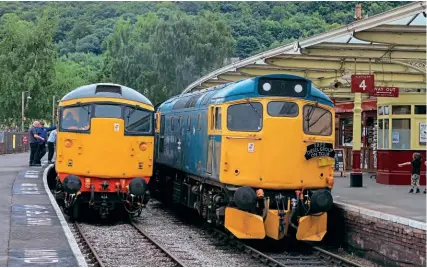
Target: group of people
<point x="38" y="140"/>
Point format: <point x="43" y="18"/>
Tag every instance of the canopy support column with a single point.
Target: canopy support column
<point x="356" y="176"/>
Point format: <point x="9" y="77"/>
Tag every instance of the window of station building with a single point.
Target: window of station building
<point x="401" y="134"/>
<point x="380" y="134"/>
<point x="420" y="109"/>
<point x="246" y="117"/>
<point x="138" y="121"/>
<point x="317" y="121"/>
<point x="218" y="118"/>
<point x="401" y="109"/>
<point x="76" y="118"/>
<point x="386" y="133"/>
<point x="108" y="111"/>
<point x="282" y="109"/>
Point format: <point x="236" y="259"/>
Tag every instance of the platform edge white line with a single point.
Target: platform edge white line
<point x="70" y="237"/>
<point x="383" y="216"/>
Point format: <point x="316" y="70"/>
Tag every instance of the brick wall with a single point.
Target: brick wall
<point x="382" y="238"/>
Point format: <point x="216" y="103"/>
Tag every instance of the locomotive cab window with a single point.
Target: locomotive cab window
<point x="282" y="109"/>
<point x="138" y="121"/>
<point x="317" y="121"/>
<point x="76" y="118"/>
<point x="246" y="117"/>
<point x="218" y="118"/>
<point x="108" y="111"/>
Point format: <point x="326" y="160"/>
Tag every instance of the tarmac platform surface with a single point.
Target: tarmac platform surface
<point x="31" y="231"/>
<point x="391" y="199"/>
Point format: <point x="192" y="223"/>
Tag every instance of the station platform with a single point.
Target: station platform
<point x="390" y="199"/>
<point x="33" y="231"/>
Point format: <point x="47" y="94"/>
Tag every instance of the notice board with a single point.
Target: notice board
<point x="340" y="161"/>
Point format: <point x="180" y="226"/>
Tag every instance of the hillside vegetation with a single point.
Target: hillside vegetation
<point x="157" y="48"/>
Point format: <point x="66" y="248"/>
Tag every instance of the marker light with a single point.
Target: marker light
<point x="68" y="143"/>
<point x="143" y="146"/>
<point x="298" y="88"/>
<point x="266" y="86"/>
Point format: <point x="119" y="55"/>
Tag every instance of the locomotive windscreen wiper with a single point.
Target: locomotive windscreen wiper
<point x="85" y="107"/>
<point x="310" y="114"/>
<point x="133" y="110"/>
<point x="253" y="107"/>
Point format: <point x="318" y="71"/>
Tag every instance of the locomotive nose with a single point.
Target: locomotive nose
<point x="321" y="201"/>
<point x="138" y="186"/>
<point x="72" y="184"/>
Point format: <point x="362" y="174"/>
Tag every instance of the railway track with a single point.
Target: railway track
<point x="133" y="248"/>
<point x="316" y="257"/>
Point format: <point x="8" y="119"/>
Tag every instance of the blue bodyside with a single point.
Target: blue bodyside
<point x="195" y="142"/>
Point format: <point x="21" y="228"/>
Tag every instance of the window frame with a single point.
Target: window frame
<point x="246" y="103"/>
<point x="304" y="121"/>
<point x="275" y="101"/>
<point x="131" y="133"/>
<point x="122" y="107"/>
<point x="79" y="105"/>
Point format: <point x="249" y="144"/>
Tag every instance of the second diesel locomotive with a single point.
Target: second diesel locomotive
<point x="255" y="156"/>
<point x="104" y="149"/>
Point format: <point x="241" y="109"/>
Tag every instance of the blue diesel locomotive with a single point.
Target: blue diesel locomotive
<point x="255" y="156"/>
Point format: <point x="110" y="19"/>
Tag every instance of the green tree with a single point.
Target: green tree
<point x="27" y="59"/>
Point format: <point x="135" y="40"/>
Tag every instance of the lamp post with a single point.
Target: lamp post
<point x="23" y="108"/>
<point x="53" y="110"/>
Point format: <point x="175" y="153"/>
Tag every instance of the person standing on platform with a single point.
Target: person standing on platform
<point x="42" y="132"/>
<point x="51" y="146"/>
<point x="34" y="143"/>
<point x="416" y="171"/>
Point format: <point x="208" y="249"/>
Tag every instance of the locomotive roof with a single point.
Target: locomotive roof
<point x="235" y="91"/>
<point x="107" y="90"/>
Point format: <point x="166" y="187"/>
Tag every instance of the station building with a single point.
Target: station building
<point x="377" y="132"/>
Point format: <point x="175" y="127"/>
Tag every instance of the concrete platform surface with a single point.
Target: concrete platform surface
<point x="31" y="233"/>
<point x="390" y="199"/>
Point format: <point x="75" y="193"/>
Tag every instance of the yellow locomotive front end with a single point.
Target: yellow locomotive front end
<point x="105" y="147"/>
<point x="280" y="149"/>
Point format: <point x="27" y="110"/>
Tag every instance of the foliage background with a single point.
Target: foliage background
<point x="157" y="48"/>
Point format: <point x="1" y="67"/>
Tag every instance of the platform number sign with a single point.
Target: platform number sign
<point x="362" y="83"/>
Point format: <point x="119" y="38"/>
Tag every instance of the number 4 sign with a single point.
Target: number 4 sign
<point x="362" y="83"/>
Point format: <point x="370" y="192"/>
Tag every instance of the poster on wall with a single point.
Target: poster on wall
<point x="423" y="130"/>
<point x="395" y="137"/>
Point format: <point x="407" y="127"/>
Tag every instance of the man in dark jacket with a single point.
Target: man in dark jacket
<point x="34" y="143"/>
<point x="42" y="132"/>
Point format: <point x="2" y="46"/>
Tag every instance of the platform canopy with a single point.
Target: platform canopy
<point x="391" y="45"/>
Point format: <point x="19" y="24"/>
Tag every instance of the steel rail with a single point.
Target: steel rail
<point x="86" y="241"/>
<point x="157" y="244"/>
<point x="271" y="261"/>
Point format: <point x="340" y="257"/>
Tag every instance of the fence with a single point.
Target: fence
<point x="13" y="142"/>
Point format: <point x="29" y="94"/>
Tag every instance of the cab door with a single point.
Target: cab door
<point x="214" y="141"/>
<point x="161" y="140"/>
<point x="242" y="144"/>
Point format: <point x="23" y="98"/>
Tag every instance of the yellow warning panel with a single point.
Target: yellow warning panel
<point x="312" y="228"/>
<point x="272" y="224"/>
<point x="244" y="225"/>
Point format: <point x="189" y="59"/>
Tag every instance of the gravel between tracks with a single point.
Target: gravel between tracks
<point x="194" y="246"/>
<point x="122" y="245"/>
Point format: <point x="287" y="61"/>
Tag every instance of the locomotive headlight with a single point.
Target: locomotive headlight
<point x="266" y="87"/>
<point x="143" y="146"/>
<point x="298" y="88"/>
